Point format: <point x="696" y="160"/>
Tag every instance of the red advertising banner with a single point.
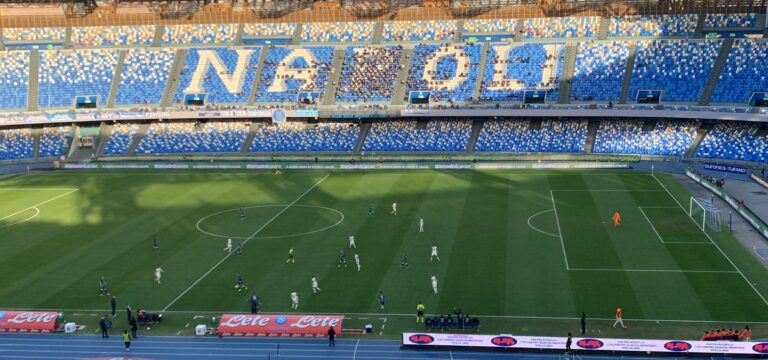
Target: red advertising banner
<point x="279" y="325"/>
<point x="28" y="321"/>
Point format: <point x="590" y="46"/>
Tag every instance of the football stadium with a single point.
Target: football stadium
<point x="383" y="179"/>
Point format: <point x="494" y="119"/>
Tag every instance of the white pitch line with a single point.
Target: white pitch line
<point x="244" y="242"/>
<point x="662" y="270"/>
<point x="37" y="212"/>
<point x="650" y="223"/>
<point x="35" y="189"/>
<point x="713" y="243"/>
<point x="559" y="230"/>
<point x="40" y="204"/>
<point x="605" y="190"/>
<point x="354" y="354"/>
<point x="537" y="229"/>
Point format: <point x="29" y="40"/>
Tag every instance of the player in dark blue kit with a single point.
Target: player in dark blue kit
<point x="370" y="210"/>
<point x="342" y="259"/>
<point x="405" y="260"/>
<point x="242" y="214"/>
<point x="381" y="300"/>
<point x="103" y="286"/>
<point x="239" y="249"/>
<point x="155" y="243"/>
<point x="240" y="284"/>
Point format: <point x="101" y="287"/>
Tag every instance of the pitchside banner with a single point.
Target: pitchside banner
<point x="28" y="321"/>
<point x="726" y="168"/>
<point x="279" y="325"/>
<point x="591" y="344"/>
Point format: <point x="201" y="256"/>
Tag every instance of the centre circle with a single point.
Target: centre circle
<point x="255" y="224"/>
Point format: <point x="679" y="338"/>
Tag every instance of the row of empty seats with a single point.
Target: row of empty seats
<point x="489" y="26"/>
<point x="298" y="136"/>
<point x="53" y="141"/>
<point x="14" y="79"/>
<point x="34" y="34"/>
<point x="288" y="71"/>
<point x="63" y="75"/>
<point x="427" y="30"/>
<point x="449" y="71"/>
<point x="566" y="136"/>
<point x="337" y="32"/>
<point x="268" y="29"/>
<point x="599" y="71"/>
<point x="225" y="75"/>
<point x="120" y="139"/>
<point x="113" y="35"/>
<point x="679" y="67"/>
<point x="568" y="27"/>
<point x="745" y="71"/>
<point x="144" y="76"/>
<point x="735" y="141"/>
<point x="16" y="144"/>
<point x="652" y="25"/>
<point x="200" y="34"/>
<point x="668" y="138"/>
<point x="738" y="20"/>
<point x="403" y="135"/>
<point x="369" y="74"/>
<point x="193" y="137"/>
<point x="512" y="69"/>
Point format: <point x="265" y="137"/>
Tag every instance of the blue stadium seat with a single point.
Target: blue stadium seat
<point x="337" y="32"/>
<point x="745" y="71"/>
<point x="113" y="35"/>
<point x="566" y="27"/>
<point x="200" y="34"/>
<point x="16" y="144"/>
<point x="14" y="79"/>
<point x="428" y="30"/>
<point x="53" y="142"/>
<point x="439" y="135"/>
<point x="669" y="138"/>
<point x="652" y="25"/>
<point x="214" y="82"/>
<point x="510" y="70"/>
<point x="599" y="71"/>
<point x="278" y="81"/>
<point x="299" y="136"/>
<point x="566" y="136"/>
<point x="65" y="74"/>
<point x="368" y="74"/>
<point x="190" y="137"/>
<point x="733" y="140"/>
<point x="120" y="138"/>
<point x="489" y="26"/>
<point x="738" y="20"/>
<point x="144" y="76"/>
<point x="447" y="80"/>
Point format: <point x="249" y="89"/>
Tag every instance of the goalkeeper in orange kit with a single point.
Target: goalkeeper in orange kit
<point x="616" y="219"/>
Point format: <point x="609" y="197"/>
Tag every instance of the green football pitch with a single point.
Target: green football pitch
<point x="525" y="251"/>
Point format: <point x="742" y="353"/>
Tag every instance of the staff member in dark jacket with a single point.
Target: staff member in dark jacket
<point x="134" y="327"/>
<point x="254" y="304"/>
<point x="113" y="303"/>
<point x="104" y="325"/>
<point x="331" y="336"/>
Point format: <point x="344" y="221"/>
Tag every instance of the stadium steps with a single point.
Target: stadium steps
<point x="459" y="30"/>
<point x="249" y="138"/>
<point x="68" y="37"/>
<point x="602" y="33"/>
<point x="34" y="75"/>
<point x="77" y="153"/>
<point x="481" y="71"/>
<point x="333" y="82"/>
<point x="699" y="32"/>
<point x="701" y="133"/>
<point x="761" y="132"/>
<point x="173" y="77"/>
<point x="628" y="73"/>
<point x="259" y="67"/>
<point x="402" y="76"/>
<point x="2" y="40"/>
<point x="365" y="128"/>
<point x="296" y="38"/>
<point x="717" y="69"/>
<point x="518" y="27"/>
<point x="378" y="33"/>
<point x="239" y="34"/>
<point x="137" y="139"/>
<point x="104" y="131"/>
<point x="116" y="79"/>
<point x="75" y="139"/>
<point x="566" y="78"/>
<point x="589" y="143"/>
<point x="477" y="125"/>
<point x="36" y="133"/>
<point x="158" y="39"/>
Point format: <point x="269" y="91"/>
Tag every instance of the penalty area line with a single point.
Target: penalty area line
<point x="40" y="204"/>
<point x="244" y="242"/>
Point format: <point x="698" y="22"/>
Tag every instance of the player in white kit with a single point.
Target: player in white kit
<point x="228" y="248"/>
<point x="421" y="225"/>
<point x="315" y="288"/>
<point x="434" y="284"/>
<point x="357" y="261"/>
<point x="434" y="254"/>
<point x="158" y="274"/>
<point x="352" y="242"/>
<point x="294" y="301"/>
<point x="394" y="208"/>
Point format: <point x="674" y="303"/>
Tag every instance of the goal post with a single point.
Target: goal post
<point x="706" y="215"/>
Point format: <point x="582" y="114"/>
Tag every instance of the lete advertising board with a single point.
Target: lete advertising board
<point x="279" y="325"/>
<point x="592" y="344"/>
<point x="28" y="321"/>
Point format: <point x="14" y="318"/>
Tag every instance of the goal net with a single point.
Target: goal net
<point x="706" y="215"/>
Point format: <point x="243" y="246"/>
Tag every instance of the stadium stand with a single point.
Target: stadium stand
<point x="679" y="67"/>
<point x="431" y="30"/>
<point x="14" y="79"/>
<point x="745" y="71"/>
<point x="403" y="135"/>
<point x="368" y="73"/>
<point x="599" y="71"/>
<point x="652" y="25"/>
<point x="193" y="137"/>
<point x="34" y="34"/>
<point x="733" y="140"/>
<point x="268" y="29"/>
<point x="299" y="136"/>
<point x="53" y="142"/>
<point x="741" y="20"/>
<point x="337" y="32"/>
<point x="16" y="144"/>
<point x="307" y="69"/>
<point x="510" y="70"/>
<point x="200" y="34"/>
<point x="489" y="26"/>
<point x="144" y="76"/>
<point x="230" y="84"/>
<point x="65" y="74"/>
<point x="668" y="137"/>
<point x="449" y="71"/>
<point x="120" y="139"/>
<point x="517" y="136"/>
<point x="113" y="35"/>
<point x="567" y="27"/>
